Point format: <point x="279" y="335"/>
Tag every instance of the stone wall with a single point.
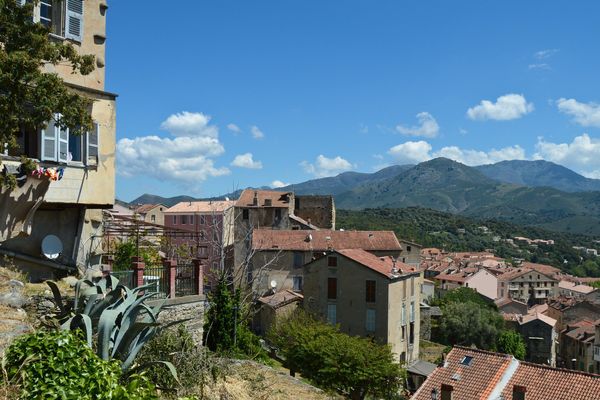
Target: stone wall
<point x="183" y="308"/>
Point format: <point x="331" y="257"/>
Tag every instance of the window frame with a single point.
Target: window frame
<point x="370" y="291"/>
<point x="331" y="288"/>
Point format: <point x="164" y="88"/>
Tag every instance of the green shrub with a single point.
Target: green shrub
<point x="196" y="366"/>
<point x="59" y="364"/>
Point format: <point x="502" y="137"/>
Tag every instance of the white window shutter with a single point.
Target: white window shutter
<point x="63" y="144"/>
<point x="49" y="142"/>
<point x="92" y="145"/>
<point x="74" y="20"/>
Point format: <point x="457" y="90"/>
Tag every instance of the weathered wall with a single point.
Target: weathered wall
<point x="94" y="26"/>
<point x="182" y="308"/>
<point x="540" y="341"/>
<point x="319" y="210"/>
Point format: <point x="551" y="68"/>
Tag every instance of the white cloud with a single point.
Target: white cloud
<point x="256" y="133"/>
<point x="427" y="127"/>
<point x="584" y="114"/>
<point x="190" y="124"/>
<point x="582" y="154"/>
<point x="411" y="152"/>
<point x="544" y="54"/>
<point x="324" y="166"/>
<point x="416" y="152"/>
<point x="246" y="161"/>
<point x="507" y="107"/>
<point x="234" y="128"/>
<point x="540" y="66"/>
<point x="463" y="131"/>
<point x="185" y="158"/>
<point x="278" y="184"/>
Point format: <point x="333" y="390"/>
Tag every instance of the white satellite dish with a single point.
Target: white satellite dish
<point x="273" y="284"/>
<point x="52" y="247"/>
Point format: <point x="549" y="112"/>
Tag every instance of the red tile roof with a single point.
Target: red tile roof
<point x="546" y="383"/>
<point x="548" y="270"/>
<point x="474" y="381"/>
<point x="281" y="298"/>
<point x="144" y="208"/>
<point x="496" y="373"/>
<point x="383" y="265"/>
<point x="201" y="206"/>
<point x="323" y="240"/>
<point x="278" y="199"/>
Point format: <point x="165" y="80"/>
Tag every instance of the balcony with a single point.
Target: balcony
<point x="513" y="287"/>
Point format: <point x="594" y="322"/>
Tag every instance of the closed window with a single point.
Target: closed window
<point x="192" y="219"/>
<point x="332" y="261"/>
<point x="412" y="311"/>
<point x="184" y="219"/>
<point x="332" y="288"/>
<point x="298" y="259"/>
<point x="202" y="220"/>
<point x="370" y="288"/>
<point x="297" y="280"/>
<point x="174" y="219"/>
<point x="153" y="218"/>
<point x="331" y="314"/>
<point x="370" y="320"/>
<point x="403" y="315"/>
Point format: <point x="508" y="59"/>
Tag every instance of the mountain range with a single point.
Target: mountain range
<point x="534" y="193"/>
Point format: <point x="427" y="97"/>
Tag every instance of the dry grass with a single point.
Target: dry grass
<point x="430" y="351"/>
<point x="252" y="381"/>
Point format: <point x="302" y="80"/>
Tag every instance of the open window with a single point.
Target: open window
<point x="60" y="145"/>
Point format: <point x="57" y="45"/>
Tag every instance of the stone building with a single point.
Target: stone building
<point x="278" y="255"/>
<point x="69" y="210"/>
<point x="367" y="295"/>
<point x="151" y="213"/>
<point x="527" y="285"/>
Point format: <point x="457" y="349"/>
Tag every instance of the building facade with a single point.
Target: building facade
<point x="369" y="296"/>
<point x="69" y="209"/>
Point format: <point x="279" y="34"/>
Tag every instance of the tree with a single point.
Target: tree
<point x="511" y="342"/>
<point x="470" y="324"/>
<point x="30" y="97"/>
<point x="464" y="295"/>
<point x="353" y="366"/>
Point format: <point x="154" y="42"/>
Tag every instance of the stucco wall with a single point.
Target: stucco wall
<point x="485" y="283"/>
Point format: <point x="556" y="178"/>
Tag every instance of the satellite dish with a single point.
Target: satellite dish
<point x="52" y="247"/>
<point x="273" y="284"/>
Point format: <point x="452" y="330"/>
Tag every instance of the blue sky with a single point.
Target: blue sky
<point x="220" y="95"/>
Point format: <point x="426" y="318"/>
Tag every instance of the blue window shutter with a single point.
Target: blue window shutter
<point x="74" y="20"/>
<point x="63" y="144"/>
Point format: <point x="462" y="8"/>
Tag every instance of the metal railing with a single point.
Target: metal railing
<point x="185" y="277"/>
<point x="160" y="277"/>
<point x="125" y="277"/>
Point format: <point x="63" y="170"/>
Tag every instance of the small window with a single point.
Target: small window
<point x="268" y="202"/>
<point x="331" y="314"/>
<point x="184" y="219"/>
<point x="297" y="283"/>
<point x="332" y="288"/>
<point x="370" y="287"/>
<point x="202" y="220"/>
<point x="370" y="320"/>
<point x="174" y="219"/>
<point x="332" y="261"/>
<point x="466" y="360"/>
<point x="192" y="219"/>
<point x="298" y="259"/>
<point x="277" y="214"/>
<point x="409" y="248"/>
<point x="153" y="218"/>
<point x="245" y="213"/>
<point x="447" y="392"/>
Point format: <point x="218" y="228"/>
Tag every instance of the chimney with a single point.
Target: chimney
<point x="394" y="268"/>
<point x="255" y="199"/>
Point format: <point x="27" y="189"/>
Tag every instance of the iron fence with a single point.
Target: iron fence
<point x="185" y="277"/>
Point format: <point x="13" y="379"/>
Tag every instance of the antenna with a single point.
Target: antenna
<point x="52" y="247"/>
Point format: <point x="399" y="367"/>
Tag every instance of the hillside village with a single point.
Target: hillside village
<point x="216" y="290"/>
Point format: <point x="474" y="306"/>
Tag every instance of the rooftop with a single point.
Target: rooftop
<point x="383" y="265"/>
<point x="144" y="208"/>
<point x="201" y="206"/>
<point x="281" y="298"/>
<point x="479" y="374"/>
<point x="323" y="240"/>
<point x="264" y="198"/>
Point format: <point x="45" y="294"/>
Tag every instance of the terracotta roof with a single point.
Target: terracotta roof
<point x="281" y="298"/>
<point x="546" y="383"/>
<point x="513" y="273"/>
<point x="581" y="332"/>
<point x="277" y="199"/>
<point x="491" y="375"/>
<point x="383" y="265"/>
<point x="541" y="268"/>
<point x="539" y="308"/>
<point x="323" y="240"/>
<point x="304" y="222"/>
<point x="474" y="381"/>
<point x="537" y="316"/>
<point x="200" y="206"/>
<point x="583" y="289"/>
<point x="502" y="301"/>
<point x="144" y="208"/>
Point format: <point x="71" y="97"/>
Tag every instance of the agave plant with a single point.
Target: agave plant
<point x="119" y="316"/>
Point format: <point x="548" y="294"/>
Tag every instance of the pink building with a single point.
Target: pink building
<point x="200" y="229"/>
